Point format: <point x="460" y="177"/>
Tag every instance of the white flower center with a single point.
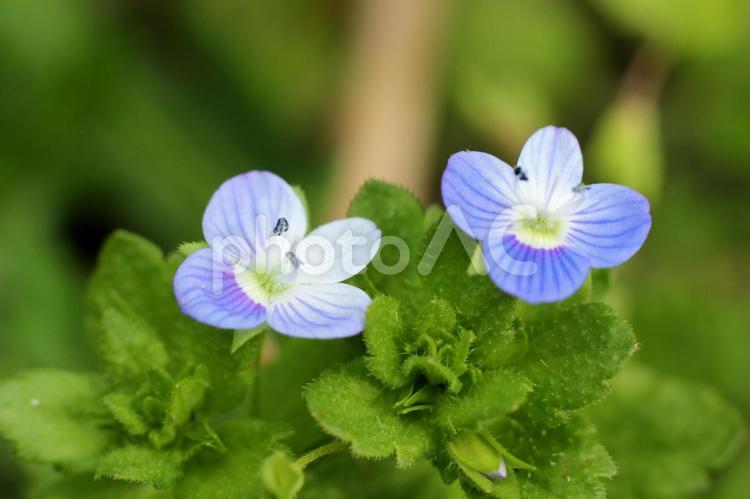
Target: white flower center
<point x="261" y="287"/>
<point x="271" y="273"/>
<point x="539" y="228"/>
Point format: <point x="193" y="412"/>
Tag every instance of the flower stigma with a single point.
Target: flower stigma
<point x="265" y="285"/>
<point x="539" y="229"/>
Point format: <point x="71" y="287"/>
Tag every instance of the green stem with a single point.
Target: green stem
<point x="368" y="282"/>
<point x="322" y="451"/>
<point x="255" y="395"/>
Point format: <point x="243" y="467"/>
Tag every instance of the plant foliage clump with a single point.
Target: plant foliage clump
<point x="453" y="390"/>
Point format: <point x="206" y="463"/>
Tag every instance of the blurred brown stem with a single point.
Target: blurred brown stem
<point x="646" y="74"/>
<point x="386" y="123"/>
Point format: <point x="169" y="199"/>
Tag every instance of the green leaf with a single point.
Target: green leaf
<point x="573" y="352"/>
<point x="341" y="477"/>
<point x="231" y="377"/>
<point x="437" y="320"/>
<point x="459" y="351"/>
<point x="131" y="274"/>
<point x="398" y="214"/>
<point x="121" y="406"/>
<point x="384" y="337"/>
<point x="351" y="407"/>
<point x="440" y="349"/>
<point x="187" y="396"/>
<point x="202" y="436"/>
<point x="86" y="487"/>
<point x="129" y="346"/>
<point x="153" y="396"/>
<point x="236" y="472"/>
<point x="444" y="258"/>
<point x="733" y="482"/>
<point x="187" y="249"/>
<point x="133" y="278"/>
<point x="432" y="215"/>
<point x="495" y="395"/>
<point x="665" y="434"/>
<point x="139" y="464"/>
<point x="283" y="373"/>
<point x="501" y="338"/>
<point x="282" y="476"/>
<point x="477" y="266"/>
<point x="434" y="370"/>
<point x="569" y="461"/>
<point x="479" y="295"/>
<point x="242" y="336"/>
<point x="50" y="417"/>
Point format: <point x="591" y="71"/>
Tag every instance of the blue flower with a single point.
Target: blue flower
<point x="260" y="267"/>
<point x="541" y="229"/>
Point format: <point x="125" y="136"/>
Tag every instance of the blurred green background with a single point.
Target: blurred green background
<point x="129" y="113"/>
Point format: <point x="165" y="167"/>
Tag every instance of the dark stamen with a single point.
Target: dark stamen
<point x="281" y="226"/>
<point x="295" y="261"/>
<point x="520" y="174"/>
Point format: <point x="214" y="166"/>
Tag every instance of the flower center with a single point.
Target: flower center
<point x="540" y="230"/>
<point x="542" y="225"/>
<point x="261" y="287"/>
<point x="272" y="271"/>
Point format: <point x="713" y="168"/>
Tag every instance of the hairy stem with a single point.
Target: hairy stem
<point x="322" y="451"/>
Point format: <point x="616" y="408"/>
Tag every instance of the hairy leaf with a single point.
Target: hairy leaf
<point x="573" y="352"/>
<point x="569" y="461"/>
<point x="187" y="249"/>
<point x="86" y="487"/>
<point x="665" y="434"/>
<point x="444" y="258"/>
<point x="129" y="346"/>
<point x="436" y="319"/>
<point x="134" y="280"/>
<point x="187" y="396"/>
<point x="121" y="406"/>
<point x="500" y="338"/>
<point x="340" y="477"/>
<point x="494" y="396"/>
<point x="435" y="371"/>
<point x="50" y="417"/>
<point x="237" y="471"/>
<point x="351" y="407"/>
<point x="479" y="296"/>
<point x="284" y="375"/>
<point x="384" y="336"/>
<point x="140" y="464"/>
<point x="398" y="214"/>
